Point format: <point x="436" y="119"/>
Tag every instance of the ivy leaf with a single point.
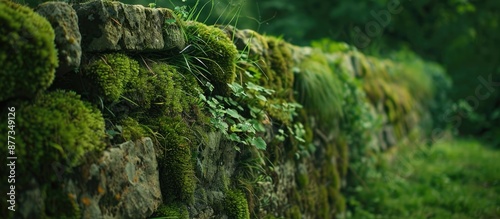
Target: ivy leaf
<point x="233" y="113"/>
<point x="236" y="88"/>
<point x="234" y="137"/>
<point x="257" y="126"/>
<point x="252" y="86"/>
<point x="259" y="143"/>
<point x="246" y="127"/>
<point x="260" y="97"/>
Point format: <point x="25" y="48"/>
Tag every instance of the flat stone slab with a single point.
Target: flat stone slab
<point x="113" y="26"/>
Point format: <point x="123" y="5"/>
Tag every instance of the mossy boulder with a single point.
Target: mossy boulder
<point x="28" y="57"/>
<point x="57" y="128"/>
<point x="212" y="53"/>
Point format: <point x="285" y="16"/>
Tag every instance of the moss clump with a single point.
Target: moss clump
<point x="177" y="179"/>
<point x="111" y="73"/>
<point x="28" y="57"/>
<point x="161" y="90"/>
<point x="236" y="205"/>
<point x="132" y="130"/>
<point x="173" y="210"/>
<point x="212" y="53"/>
<point x="319" y="89"/>
<point x="280" y="76"/>
<point x="57" y="127"/>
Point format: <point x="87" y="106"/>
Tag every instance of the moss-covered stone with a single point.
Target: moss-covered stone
<point x="236" y="205"/>
<point x="111" y="73"/>
<point x="57" y="127"/>
<point x="173" y="210"/>
<point x="211" y="54"/>
<point x="28" y="57"/>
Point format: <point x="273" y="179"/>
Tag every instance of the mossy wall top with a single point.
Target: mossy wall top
<point x="243" y="125"/>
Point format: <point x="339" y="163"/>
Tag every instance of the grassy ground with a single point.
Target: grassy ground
<point x="452" y="179"/>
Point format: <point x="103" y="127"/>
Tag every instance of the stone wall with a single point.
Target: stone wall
<point x="123" y="111"/>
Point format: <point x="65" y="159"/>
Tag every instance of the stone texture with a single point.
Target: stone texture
<point x="123" y="183"/>
<point x="215" y="166"/>
<point x="63" y="19"/>
<point x="114" y="26"/>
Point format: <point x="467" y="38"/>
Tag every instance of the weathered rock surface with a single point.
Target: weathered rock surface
<point x="123" y="183"/>
<point x="114" y="26"/>
<point x="63" y="19"/>
<point x="214" y="170"/>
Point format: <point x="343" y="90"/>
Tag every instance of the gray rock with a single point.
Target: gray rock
<point x="123" y="183"/>
<point x="114" y="26"/>
<point x="63" y="19"/>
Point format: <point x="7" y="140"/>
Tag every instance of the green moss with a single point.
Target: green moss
<point x="57" y="127"/>
<point x="236" y="205"/>
<point x="177" y="179"/>
<point x="28" y="57"/>
<point x="337" y="200"/>
<point x="280" y="77"/>
<point x="157" y="89"/>
<point x="132" y="130"/>
<point x="302" y="179"/>
<point x="322" y="204"/>
<point x="293" y="213"/>
<point x="212" y="54"/>
<point x="172" y="210"/>
<point x="111" y="73"/>
<point x="319" y="89"/>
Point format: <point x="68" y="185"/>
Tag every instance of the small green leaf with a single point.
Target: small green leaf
<point x="236" y="88"/>
<point x="234" y="137"/>
<point x="260" y="97"/>
<point x="233" y="113"/>
<point x="258" y="126"/>
<point x="259" y="143"/>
